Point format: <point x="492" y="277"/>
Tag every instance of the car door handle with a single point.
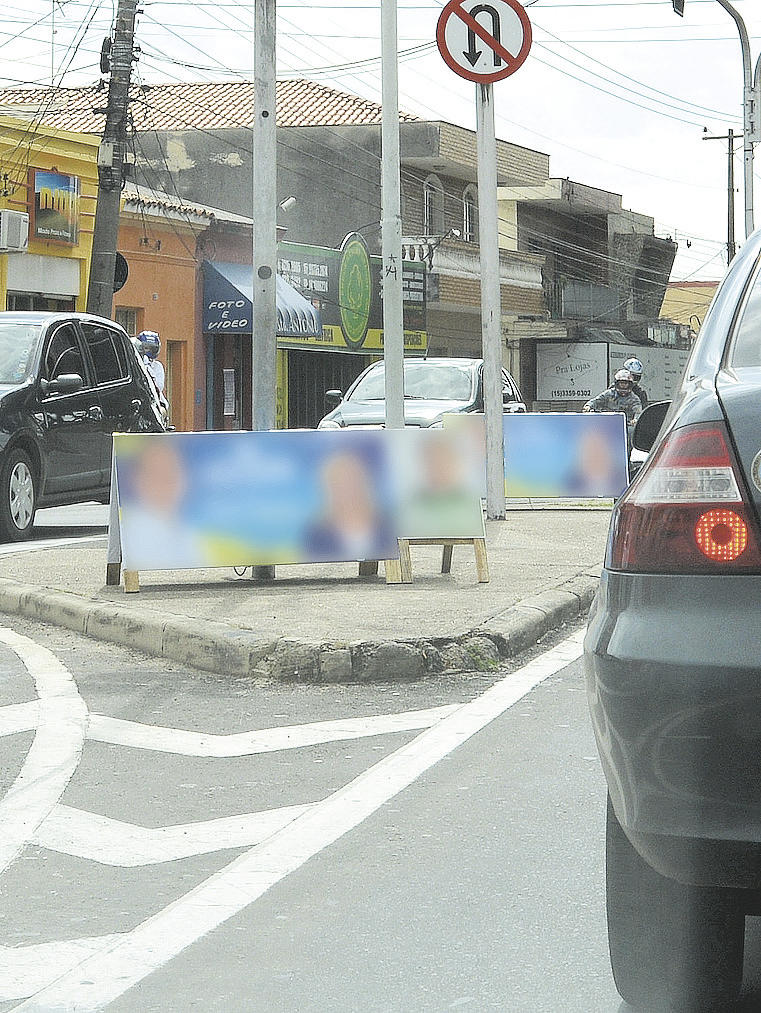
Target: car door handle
<point x="95" y="412"/>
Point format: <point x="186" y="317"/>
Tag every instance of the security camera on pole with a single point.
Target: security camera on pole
<point x="486" y="42"/>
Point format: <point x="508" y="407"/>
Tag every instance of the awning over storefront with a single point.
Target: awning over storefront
<point x="228" y="303"/>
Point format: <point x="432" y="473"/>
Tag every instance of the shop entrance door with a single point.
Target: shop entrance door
<point x="231" y="372"/>
<point x="310" y="374"/>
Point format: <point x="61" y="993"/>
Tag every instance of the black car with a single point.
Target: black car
<point x="432" y="388"/>
<point x="673" y="668"/>
<point x="67" y="382"/>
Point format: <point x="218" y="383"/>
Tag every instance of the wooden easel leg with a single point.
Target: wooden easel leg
<point x="113" y="574"/>
<point x="482" y="565"/>
<point x="446" y="559"/>
<point x="393" y="570"/>
<point x="131" y="581"/>
<point x="405" y="560"/>
<point x="368" y="568"/>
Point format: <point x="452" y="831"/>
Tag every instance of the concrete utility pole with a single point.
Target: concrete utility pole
<point x="264" y="213"/>
<point x="393" y="296"/>
<point x="111" y="159"/>
<point x="491" y="309"/>
<point x="730" y="137"/>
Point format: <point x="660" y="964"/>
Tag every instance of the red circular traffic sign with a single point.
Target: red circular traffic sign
<point x="484" y="40"/>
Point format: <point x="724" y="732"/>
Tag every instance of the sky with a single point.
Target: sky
<point x="617" y="93"/>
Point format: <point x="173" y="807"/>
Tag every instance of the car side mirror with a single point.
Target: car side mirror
<point x="333" y="398"/>
<point x="66" y="383"/>
<point x="649" y="425"/>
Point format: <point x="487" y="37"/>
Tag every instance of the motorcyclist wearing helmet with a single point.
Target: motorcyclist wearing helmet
<point x="149" y="346"/>
<point x="619" y="397"/>
<point x="635" y="368"/>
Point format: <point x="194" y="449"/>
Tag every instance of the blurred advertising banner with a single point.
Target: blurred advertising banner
<point x="438" y="480"/>
<point x="553" y="454"/>
<point x="240" y="498"/>
<point x="565" y="454"/>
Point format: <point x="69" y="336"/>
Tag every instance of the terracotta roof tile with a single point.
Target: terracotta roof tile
<point x="202" y="106"/>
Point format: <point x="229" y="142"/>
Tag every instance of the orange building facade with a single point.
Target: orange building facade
<point x="160" y="245"/>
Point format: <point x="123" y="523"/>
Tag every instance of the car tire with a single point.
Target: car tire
<point x="672" y="947"/>
<point x="18" y="496"/>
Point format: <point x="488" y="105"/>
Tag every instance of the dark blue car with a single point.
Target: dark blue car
<point x="673" y="667"/>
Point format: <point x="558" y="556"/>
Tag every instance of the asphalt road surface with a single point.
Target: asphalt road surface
<point x="174" y="840"/>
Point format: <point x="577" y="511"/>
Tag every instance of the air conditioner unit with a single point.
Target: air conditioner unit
<point x="14" y="230"/>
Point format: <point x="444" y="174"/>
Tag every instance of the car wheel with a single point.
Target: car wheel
<point x="18" y="496"/>
<point x="671" y="946"/>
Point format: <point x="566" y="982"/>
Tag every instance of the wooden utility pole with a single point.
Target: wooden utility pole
<point x="111" y="160"/>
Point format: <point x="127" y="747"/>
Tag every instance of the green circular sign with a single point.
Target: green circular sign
<point x="354" y="288"/>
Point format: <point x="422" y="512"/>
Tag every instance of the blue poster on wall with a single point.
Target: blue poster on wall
<point x="191" y="500"/>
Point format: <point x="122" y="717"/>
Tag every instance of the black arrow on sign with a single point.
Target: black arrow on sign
<point x="472" y="55"/>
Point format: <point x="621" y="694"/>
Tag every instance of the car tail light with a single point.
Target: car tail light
<point x="686" y="513"/>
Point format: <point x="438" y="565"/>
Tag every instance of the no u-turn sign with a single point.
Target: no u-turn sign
<point x="484" y="40"/>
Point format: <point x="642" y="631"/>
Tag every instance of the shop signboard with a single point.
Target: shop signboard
<point x="55" y="206"/>
<point x="571" y="370"/>
<point x="346" y="287"/>
<point x="663" y="368"/>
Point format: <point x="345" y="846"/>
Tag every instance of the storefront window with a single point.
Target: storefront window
<point x="21" y="302"/>
<point x="127" y="317"/>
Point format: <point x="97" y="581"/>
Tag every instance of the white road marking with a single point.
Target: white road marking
<point x="26" y="969"/>
<point x="19" y="717"/>
<point x="123" y="962"/>
<point x="55" y="752"/>
<point x="112" y="842"/>
<point x="267" y="740"/>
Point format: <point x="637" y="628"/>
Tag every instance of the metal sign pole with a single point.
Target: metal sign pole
<point x="393" y="316"/>
<point x="264" y="259"/>
<point x="491" y="311"/>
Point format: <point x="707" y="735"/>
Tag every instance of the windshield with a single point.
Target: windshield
<point x="17" y="344"/>
<point x="429" y="381"/>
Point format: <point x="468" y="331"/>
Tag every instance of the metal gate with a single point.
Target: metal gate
<point x="310" y="374"/>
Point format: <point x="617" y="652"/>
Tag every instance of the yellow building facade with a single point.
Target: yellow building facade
<point x="50" y="175"/>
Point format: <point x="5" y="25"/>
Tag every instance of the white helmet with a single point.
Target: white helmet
<point x="635" y="368"/>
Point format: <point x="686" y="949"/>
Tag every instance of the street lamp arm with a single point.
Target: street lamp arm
<point x="744" y="40"/>
<point x="750" y="111"/>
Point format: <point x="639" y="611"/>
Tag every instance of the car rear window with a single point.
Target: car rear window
<point x="746" y="345"/>
<point x="17" y="344"/>
<point x="430" y="381"/>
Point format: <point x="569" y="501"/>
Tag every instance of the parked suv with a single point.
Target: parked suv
<point x="432" y="388"/>
<point x="67" y="382"/>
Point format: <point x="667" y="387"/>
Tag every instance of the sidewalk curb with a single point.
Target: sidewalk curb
<point x="219" y="647"/>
